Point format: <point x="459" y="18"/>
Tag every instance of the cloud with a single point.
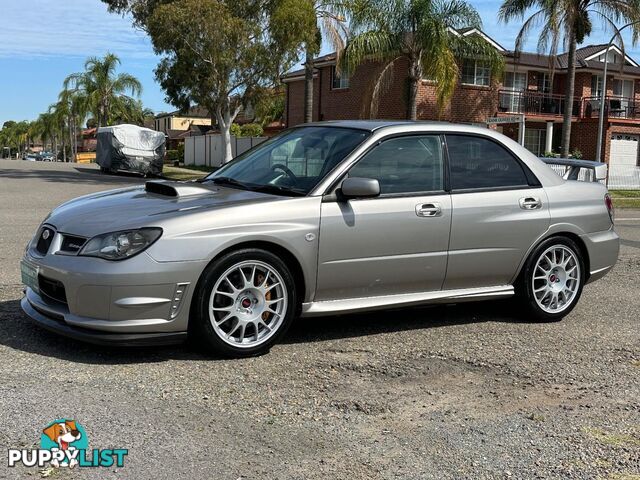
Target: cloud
<point x="50" y="28"/>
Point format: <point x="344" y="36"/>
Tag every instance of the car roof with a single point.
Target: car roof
<point x="371" y="125"/>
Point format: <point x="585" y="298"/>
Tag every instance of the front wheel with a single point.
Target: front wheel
<point x="244" y="303"/>
<point x="552" y="279"/>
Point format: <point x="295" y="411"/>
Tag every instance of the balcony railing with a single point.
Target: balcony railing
<point x="536" y="103"/>
<point x="617" y="107"/>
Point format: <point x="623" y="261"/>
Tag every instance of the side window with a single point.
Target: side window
<point x="477" y="162"/>
<point x="404" y="165"/>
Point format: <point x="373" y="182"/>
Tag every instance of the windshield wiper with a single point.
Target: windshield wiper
<point x="278" y="190"/>
<point x="232" y="182"/>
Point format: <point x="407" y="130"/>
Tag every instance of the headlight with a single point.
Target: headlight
<point x="120" y="245"/>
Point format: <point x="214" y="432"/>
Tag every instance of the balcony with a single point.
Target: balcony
<point x="536" y="103"/>
<point x="615" y="107"/>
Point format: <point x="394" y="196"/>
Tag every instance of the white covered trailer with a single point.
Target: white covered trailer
<point x="131" y="148"/>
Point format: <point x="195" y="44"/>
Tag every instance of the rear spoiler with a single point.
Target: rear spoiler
<point x="595" y="171"/>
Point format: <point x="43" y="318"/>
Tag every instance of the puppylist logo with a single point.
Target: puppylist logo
<point x="64" y="443"/>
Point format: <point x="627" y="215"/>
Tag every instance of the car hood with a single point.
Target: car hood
<point x="135" y="207"/>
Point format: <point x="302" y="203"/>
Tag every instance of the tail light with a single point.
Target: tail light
<point x="609" y="203"/>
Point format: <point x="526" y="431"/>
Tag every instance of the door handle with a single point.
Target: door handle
<point x="530" y="203"/>
<point x="428" y="210"/>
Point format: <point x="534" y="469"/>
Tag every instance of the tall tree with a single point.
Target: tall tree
<point x="567" y="23"/>
<point x="224" y="54"/>
<point x="329" y="17"/>
<point x="422" y="32"/>
<point x="102" y="87"/>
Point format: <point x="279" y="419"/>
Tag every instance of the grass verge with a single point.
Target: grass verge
<point x="625" y="198"/>
<point x="181" y="173"/>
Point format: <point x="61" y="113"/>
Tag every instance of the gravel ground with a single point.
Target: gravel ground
<point x="445" y="392"/>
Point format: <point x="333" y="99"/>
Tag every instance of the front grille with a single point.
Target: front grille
<point x="52" y="289"/>
<point x="72" y="244"/>
<point x="45" y="237"/>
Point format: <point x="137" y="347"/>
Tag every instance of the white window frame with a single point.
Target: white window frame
<point x="343" y="80"/>
<point x="478" y="65"/>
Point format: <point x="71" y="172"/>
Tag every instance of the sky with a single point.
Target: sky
<point x="43" y="41"/>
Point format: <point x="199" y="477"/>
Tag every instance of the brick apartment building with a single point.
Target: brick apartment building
<point x="525" y="88"/>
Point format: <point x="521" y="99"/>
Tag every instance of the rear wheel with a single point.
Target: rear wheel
<point x="245" y="302"/>
<point x="552" y="279"/>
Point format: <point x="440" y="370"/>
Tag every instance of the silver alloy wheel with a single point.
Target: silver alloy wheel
<point x="556" y="278"/>
<point x="248" y="304"/>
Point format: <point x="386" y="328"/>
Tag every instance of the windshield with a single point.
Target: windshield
<point x="291" y="163"/>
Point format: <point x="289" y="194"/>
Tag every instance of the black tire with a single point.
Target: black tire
<point x="524" y="287"/>
<point x="201" y="329"/>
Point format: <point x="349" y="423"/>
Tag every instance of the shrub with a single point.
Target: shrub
<point x="252" y="130"/>
<point x="577" y="154"/>
<point x="236" y="131"/>
<point x="172" y="155"/>
<point x="549" y="155"/>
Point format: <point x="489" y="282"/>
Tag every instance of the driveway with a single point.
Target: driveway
<point x="444" y="392"/>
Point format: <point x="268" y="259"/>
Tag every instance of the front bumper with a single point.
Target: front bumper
<point x="54" y="322"/>
<point x="138" y="301"/>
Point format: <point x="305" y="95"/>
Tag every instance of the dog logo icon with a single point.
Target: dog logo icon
<point x="64" y="435"/>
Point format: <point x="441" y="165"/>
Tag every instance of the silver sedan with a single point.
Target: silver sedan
<point x="326" y="218"/>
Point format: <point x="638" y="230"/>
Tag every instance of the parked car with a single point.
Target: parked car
<point x="46" y="157"/>
<point x="30" y="157"/>
<point x="326" y="218"/>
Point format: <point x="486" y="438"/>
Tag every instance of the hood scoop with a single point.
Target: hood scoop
<point x="175" y="189"/>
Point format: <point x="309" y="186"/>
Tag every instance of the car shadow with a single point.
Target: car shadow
<point x="18" y="332"/>
<point x="397" y="320"/>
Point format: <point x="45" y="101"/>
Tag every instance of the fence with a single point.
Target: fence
<point x="620" y="177"/>
<point x="208" y="150"/>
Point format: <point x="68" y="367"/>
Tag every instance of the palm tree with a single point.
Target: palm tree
<point x="331" y="25"/>
<point x="102" y="87"/>
<point x="424" y="33"/>
<point x="568" y="23"/>
<point x="129" y="110"/>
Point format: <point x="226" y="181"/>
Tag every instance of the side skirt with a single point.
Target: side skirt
<point x="364" y="304"/>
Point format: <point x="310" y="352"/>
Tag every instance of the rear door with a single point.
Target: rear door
<point x="394" y="243"/>
<point x="499" y="209"/>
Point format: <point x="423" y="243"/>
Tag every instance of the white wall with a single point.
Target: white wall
<point x="208" y="149"/>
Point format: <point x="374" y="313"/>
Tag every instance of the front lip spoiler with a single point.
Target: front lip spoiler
<point x="101" y="338"/>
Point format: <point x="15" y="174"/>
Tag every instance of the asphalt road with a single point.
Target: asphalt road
<point x="446" y="392"/>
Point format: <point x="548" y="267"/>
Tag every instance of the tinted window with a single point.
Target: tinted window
<point x="403" y="165"/>
<point x="477" y="162"/>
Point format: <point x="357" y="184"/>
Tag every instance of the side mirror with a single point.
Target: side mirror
<point x="356" y="187"/>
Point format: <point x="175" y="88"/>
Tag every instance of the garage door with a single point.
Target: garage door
<point x="624" y="149"/>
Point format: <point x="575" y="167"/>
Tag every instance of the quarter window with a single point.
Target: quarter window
<point x="477" y="162"/>
<point x="404" y="165"/>
<point x="476" y="72"/>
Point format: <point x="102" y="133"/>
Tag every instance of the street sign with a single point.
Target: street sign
<point x="519" y="119"/>
<point x="511" y="119"/>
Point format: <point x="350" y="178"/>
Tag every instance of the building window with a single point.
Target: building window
<point x="339" y="81"/>
<point x="544" y="82"/>
<point x="534" y="140"/>
<point x="476" y="72"/>
<point x="596" y="86"/>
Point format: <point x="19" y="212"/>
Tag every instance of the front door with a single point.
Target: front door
<point x="394" y="243"/>
<point x="497" y="212"/>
